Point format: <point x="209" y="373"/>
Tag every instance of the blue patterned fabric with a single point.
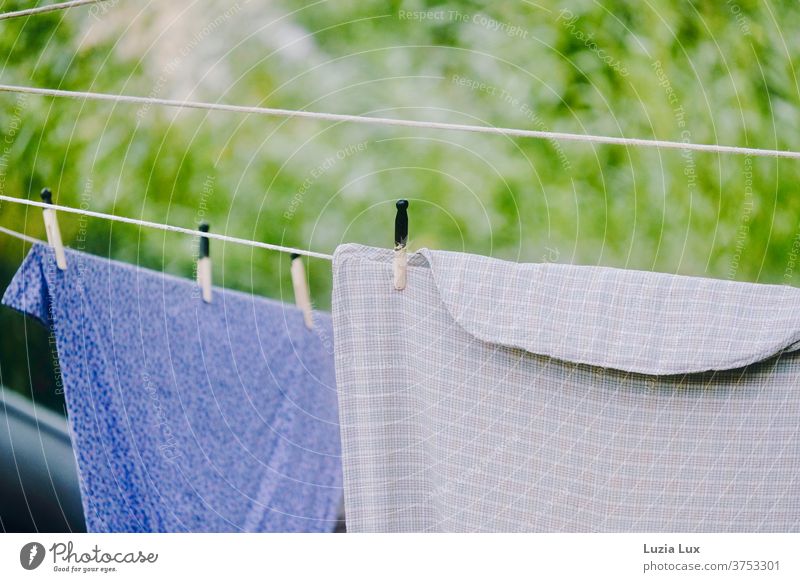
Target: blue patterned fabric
<point x="187" y="416"/>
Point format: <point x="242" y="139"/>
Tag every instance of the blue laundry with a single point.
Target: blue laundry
<point x="187" y="416"/>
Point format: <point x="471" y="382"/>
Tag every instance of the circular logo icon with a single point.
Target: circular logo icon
<point x="31" y="555"/>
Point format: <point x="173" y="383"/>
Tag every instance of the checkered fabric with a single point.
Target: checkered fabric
<point x="494" y="396"/>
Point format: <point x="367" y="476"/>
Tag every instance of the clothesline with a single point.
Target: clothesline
<point x="21" y="236"/>
<point x="48" y="8"/>
<point x="166" y="227"/>
<point x="339" y="117"/>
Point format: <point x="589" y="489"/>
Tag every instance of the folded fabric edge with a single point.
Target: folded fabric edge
<point x="780" y="345"/>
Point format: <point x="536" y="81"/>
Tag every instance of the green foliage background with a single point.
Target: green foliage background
<point x="711" y="72"/>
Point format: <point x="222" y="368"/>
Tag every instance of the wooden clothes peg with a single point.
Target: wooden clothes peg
<point x="204" y="265"/>
<point x="302" y="297"/>
<point x="52" y="230"/>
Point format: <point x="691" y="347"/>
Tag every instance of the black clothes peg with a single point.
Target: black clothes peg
<point x="400" y="263"/>
<point x="401" y="224"/>
<point x="204" y="264"/>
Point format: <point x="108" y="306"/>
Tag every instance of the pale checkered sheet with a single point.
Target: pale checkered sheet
<point x="494" y="396"/>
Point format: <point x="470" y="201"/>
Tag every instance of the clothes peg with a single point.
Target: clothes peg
<point x="400" y="263"/>
<point x="52" y="230"/>
<point x="204" y="265"/>
<point x="302" y="298"/>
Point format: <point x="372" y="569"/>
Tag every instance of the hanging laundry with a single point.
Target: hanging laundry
<point x="186" y="415"/>
<point x="494" y="396"/>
